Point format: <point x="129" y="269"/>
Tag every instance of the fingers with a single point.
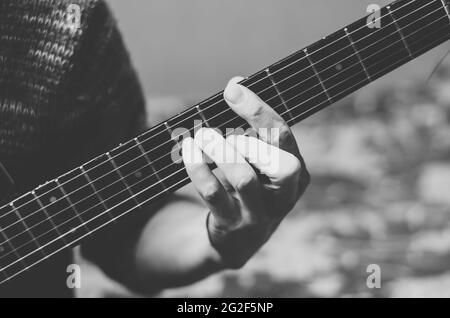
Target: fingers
<point x="235" y="168"/>
<point x="210" y="189"/>
<point x="270" y="125"/>
<point x="280" y="166"/>
<point x="283" y="169"/>
<point x="287" y="174"/>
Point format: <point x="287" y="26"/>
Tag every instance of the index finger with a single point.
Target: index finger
<point x="271" y="127"/>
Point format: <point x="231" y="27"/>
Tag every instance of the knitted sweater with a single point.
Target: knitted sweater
<point x="67" y="93"/>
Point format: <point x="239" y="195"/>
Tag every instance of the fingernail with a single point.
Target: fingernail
<point x="234" y="94"/>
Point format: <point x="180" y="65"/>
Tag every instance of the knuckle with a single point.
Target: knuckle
<point x="211" y="193"/>
<point x="285" y="138"/>
<point x="284" y="132"/>
<point x="256" y="109"/>
<point x="245" y="182"/>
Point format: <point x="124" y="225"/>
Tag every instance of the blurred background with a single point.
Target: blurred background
<point x="380" y="159"/>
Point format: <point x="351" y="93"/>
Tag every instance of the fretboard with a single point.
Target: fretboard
<point x="62" y="212"/>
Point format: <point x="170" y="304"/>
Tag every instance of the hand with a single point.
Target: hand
<point x="258" y="181"/>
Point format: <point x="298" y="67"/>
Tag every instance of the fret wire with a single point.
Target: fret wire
<point x="446" y="9"/>
<point x="317" y="75"/>
<point x="94" y="188"/>
<point x="357" y="54"/>
<point x="174" y="139"/>
<point x="275" y="72"/>
<point x="177" y="144"/>
<point x="400" y="32"/>
<point x="122" y="179"/>
<point x="202" y="116"/>
<point x="126" y="212"/>
<point x="27" y="230"/>
<point x="149" y="162"/>
<point x="170" y="131"/>
<point x="274" y="84"/>
<point x="48" y="218"/>
<point x="72" y="206"/>
<point x="13" y="249"/>
<point x="277" y="105"/>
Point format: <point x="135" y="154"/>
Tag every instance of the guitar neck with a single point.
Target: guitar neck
<point x="147" y="168"/>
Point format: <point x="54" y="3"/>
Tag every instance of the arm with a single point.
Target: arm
<point x="258" y="181"/>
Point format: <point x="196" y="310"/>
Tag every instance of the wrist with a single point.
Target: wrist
<point x="233" y="248"/>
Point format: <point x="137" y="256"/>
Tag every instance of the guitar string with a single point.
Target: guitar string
<point x="184" y="180"/>
<point x="156" y="172"/>
<point x="302" y="58"/>
<point x="154" y="161"/>
<point x="9" y="277"/>
<point x="218" y="94"/>
<point x="121" y="179"/>
<point x="82" y="200"/>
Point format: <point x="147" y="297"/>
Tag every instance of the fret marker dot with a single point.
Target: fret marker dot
<point x="2" y="249"/>
<point x="339" y="67"/>
<point x="138" y="174"/>
<point x="52" y="199"/>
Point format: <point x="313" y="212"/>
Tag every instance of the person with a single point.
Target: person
<point x="69" y="94"/>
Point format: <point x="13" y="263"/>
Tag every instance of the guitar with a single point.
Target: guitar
<point x="62" y="212"/>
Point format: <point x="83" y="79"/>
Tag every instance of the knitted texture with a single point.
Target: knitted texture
<point x="66" y="93"/>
